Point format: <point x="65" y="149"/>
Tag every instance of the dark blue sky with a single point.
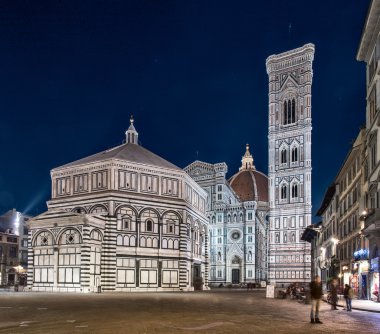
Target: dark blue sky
<point x="192" y="73"/>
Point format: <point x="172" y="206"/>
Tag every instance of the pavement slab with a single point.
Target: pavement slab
<point x="164" y="313"/>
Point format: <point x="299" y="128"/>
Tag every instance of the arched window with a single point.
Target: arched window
<point x="285" y="238"/>
<point x="293" y="116"/>
<point x="294" y="154"/>
<point x="284" y="156"/>
<point x="219" y="256"/>
<point x="289" y="112"/>
<point x="149" y="226"/>
<point x="294" y="190"/>
<point x="284" y="191"/>
<point x="127" y="222"/>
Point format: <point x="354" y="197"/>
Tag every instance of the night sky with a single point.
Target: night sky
<point x="191" y="72"/>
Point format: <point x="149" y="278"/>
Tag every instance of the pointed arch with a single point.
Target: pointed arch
<point x="283" y="153"/>
<point x="289" y="109"/>
<point x="295" y="190"/>
<point x="293" y="113"/>
<point x="294" y="155"/>
<point x="283" y="191"/>
<point x="284" y="156"/>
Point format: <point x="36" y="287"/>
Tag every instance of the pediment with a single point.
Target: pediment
<point x="289" y="82"/>
<point x="235" y="250"/>
<point x="197" y="168"/>
<point x="56" y="213"/>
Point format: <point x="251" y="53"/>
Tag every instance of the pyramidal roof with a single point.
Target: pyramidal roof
<point x="131" y="151"/>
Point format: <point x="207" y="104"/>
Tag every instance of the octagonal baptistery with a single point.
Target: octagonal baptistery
<point x="123" y="219"/>
<point x="250" y="184"/>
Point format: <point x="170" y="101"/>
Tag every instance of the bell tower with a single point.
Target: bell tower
<point x="290" y="79"/>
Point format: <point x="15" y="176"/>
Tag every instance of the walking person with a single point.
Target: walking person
<point x="315" y="296"/>
<point x="334" y="294"/>
<point x="348" y="294"/>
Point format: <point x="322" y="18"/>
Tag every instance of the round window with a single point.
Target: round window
<point x="235" y="235"/>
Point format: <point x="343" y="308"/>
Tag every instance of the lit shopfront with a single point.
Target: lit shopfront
<point x="359" y="281"/>
<point x="374" y="274"/>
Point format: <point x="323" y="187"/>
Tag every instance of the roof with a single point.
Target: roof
<point x="329" y="195"/>
<point x="370" y="30"/>
<point x="250" y="185"/>
<point x="310" y="233"/>
<point x="128" y="152"/>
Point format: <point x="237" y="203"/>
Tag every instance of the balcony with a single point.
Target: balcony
<point x="371" y="219"/>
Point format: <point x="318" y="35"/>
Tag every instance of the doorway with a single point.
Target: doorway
<point x="235" y="276"/>
<point x="197" y="277"/>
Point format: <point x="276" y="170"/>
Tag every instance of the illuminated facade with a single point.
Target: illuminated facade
<point x="236" y="210"/>
<point x="369" y="52"/>
<point x="342" y="247"/>
<point x="290" y="79"/>
<point x="120" y="220"/>
<point x="15" y="222"/>
<point x="350" y="259"/>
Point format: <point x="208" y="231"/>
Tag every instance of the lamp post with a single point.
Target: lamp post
<point x="18" y="269"/>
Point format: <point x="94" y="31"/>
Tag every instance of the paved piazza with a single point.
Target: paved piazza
<point x="198" y="312"/>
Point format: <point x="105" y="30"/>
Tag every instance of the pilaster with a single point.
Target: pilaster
<point x="108" y="258"/>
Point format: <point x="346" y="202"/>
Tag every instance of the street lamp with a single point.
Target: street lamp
<point x="335" y="241"/>
<point x="18" y="269"/>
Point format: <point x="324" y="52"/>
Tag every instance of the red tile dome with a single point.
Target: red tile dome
<point x="250" y="184"/>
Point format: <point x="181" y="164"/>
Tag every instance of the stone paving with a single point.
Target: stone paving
<point x="198" y="312"/>
<point x="360" y="304"/>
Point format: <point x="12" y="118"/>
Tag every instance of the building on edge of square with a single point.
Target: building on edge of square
<point x="123" y="219"/>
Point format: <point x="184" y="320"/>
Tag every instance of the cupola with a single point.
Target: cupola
<point x="247" y="160"/>
<point x="131" y="134"/>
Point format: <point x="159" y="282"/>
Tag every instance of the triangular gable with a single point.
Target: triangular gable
<point x="199" y="167"/>
<point x="289" y="82"/>
<point x="54" y="213"/>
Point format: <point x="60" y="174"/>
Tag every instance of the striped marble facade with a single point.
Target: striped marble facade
<point x="121" y="220"/>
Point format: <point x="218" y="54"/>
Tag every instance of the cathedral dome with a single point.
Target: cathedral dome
<point x="250" y="184"/>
